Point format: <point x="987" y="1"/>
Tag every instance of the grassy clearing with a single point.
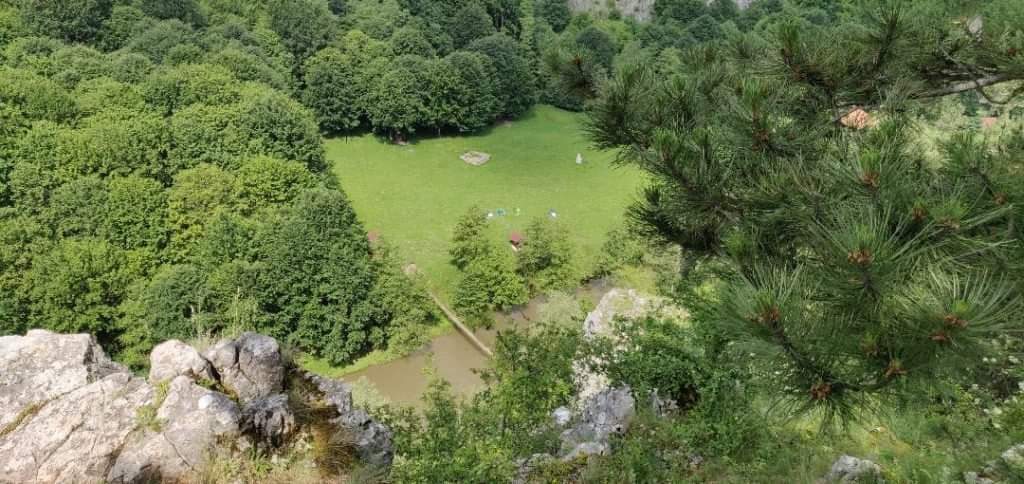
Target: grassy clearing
<point x="412" y="195"/>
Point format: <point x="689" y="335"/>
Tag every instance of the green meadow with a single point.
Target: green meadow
<point x="412" y="195"/>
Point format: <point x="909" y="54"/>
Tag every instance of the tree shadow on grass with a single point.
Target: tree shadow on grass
<point x="426" y="135"/>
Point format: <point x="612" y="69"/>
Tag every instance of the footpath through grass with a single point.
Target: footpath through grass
<point x="412" y="195"/>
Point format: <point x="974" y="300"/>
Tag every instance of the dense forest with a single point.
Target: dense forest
<point x="845" y="236"/>
<point x="163" y="173"/>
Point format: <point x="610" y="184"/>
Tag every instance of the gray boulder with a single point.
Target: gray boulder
<point x="1008" y="466"/>
<point x="65" y="408"/>
<point x="604" y="414"/>
<point x="334" y="392"/>
<point x="190" y="422"/>
<point x="250" y="366"/>
<point x="849" y="469"/>
<point x="42" y="365"/>
<point x="173" y="358"/>
<point x="616" y="305"/>
<point x="270" y="420"/>
<point x="74" y="437"/>
<point x="372" y="440"/>
<point x="1013" y="459"/>
<point x="68" y="414"/>
<point x="975" y="478"/>
<point x="610" y="411"/>
<point x="528" y="466"/>
<point x="561" y="416"/>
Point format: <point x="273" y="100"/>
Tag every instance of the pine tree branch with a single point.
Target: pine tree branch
<point x="806" y="364"/>
<point x="1010" y="97"/>
<point x="969" y="85"/>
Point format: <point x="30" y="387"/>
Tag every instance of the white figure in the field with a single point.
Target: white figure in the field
<point x="579" y="158"/>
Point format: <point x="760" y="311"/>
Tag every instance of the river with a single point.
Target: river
<point x="453" y="357"/>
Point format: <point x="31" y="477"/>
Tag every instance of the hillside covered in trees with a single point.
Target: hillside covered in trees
<point x="154" y="153"/>
<point x="830" y="225"/>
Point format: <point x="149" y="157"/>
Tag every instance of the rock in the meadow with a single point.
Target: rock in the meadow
<point x="849" y="469"/>
<point x="250" y="366"/>
<point x="173" y="358"/>
<point x="190" y="422"/>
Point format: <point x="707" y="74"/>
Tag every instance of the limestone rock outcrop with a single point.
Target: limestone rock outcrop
<point x="41" y="366"/>
<point x="66" y="410"/>
<point x="189" y="422"/>
<point x="372" y="440"/>
<point x="173" y="358"/>
<point x="69" y="414"/>
<point x="849" y="469"/>
<point x="603" y="415"/>
<point x="250" y="366"/>
<point x="1006" y="469"/>
<point x="270" y="419"/>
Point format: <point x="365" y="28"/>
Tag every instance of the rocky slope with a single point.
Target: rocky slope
<point x="641" y="10"/>
<point x="638" y="9"/>
<point x="70" y="414"/>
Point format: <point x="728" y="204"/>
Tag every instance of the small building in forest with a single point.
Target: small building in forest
<point x="516" y="239"/>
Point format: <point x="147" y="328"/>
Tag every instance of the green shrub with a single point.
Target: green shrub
<point x="547" y="258"/>
<point x="195" y="195"/>
<point x="207" y="134"/>
<point x="489" y="283"/>
<point x="315" y="277"/>
<point x="669" y="358"/>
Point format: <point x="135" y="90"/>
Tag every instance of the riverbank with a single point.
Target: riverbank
<point x="321" y="367"/>
<point x="402" y="379"/>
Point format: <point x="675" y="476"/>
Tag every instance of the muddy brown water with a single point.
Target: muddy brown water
<point x="453" y="358"/>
